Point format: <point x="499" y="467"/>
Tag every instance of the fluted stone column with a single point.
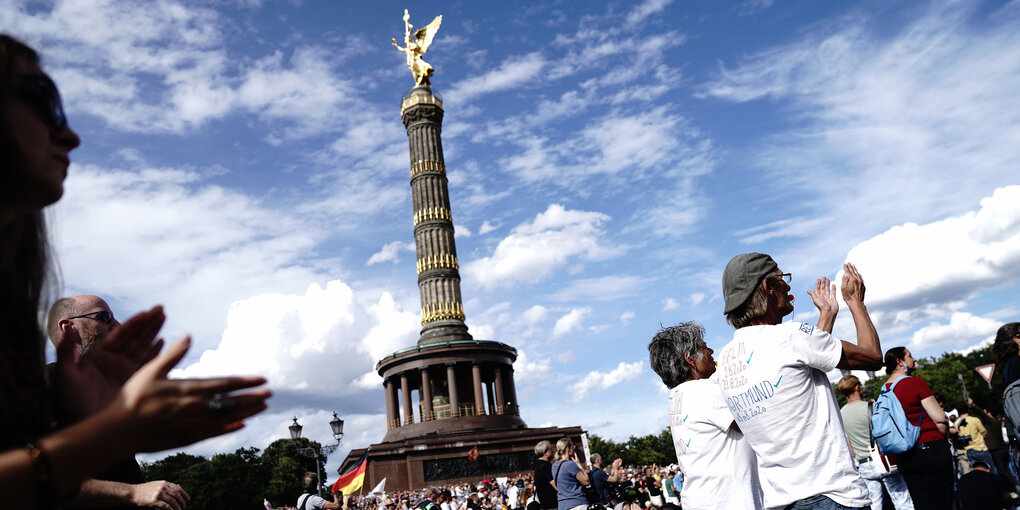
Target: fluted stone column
<point x="476" y="376"/>
<point x="405" y="394"/>
<point x="451" y="385"/>
<point x="492" y="403"/>
<point x="426" y="395"/>
<point x="511" y="388"/>
<point x="442" y="309"/>
<point x="388" y="389"/>
<point x="498" y="383"/>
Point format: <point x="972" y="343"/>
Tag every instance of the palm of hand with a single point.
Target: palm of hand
<point x="824" y="296"/>
<point x="853" y="284"/>
<point x="87" y="384"/>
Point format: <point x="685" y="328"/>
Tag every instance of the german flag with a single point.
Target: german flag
<point x="352" y="479"/>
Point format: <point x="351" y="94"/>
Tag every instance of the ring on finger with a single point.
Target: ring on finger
<point x="220" y="405"/>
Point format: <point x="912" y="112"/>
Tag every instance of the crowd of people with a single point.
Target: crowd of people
<point x="621" y="488"/>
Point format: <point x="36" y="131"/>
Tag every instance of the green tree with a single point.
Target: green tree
<point x="651" y="449"/>
<point x="287" y="468"/>
<point x="608" y="449"/>
<point x="943" y="377"/>
<point x="873" y="386"/>
<point x="170" y="468"/>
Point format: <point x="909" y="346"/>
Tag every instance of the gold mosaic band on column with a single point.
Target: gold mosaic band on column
<point x="408" y="102"/>
<point x="432" y="213"/>
<point x="441" y="261"/>
<point x="427" y="165"/>
<point x="439" y="311"/>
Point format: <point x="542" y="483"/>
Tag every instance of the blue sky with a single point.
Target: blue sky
<point x="244" y="164"/>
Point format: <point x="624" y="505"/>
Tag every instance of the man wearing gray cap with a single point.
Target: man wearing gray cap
<point x="772" y="375"/>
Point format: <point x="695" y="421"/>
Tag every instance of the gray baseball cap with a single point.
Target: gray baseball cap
<point x="742" y="276"/>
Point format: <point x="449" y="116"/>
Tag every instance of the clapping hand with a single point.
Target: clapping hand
<point x="853" y="284"/>
<point x="167" y="413"/>
<point x="88" y="383"/>
<point x="824" y="296"/>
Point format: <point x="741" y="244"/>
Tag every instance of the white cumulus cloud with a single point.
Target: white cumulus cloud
<point x="595" y="381"/>
<point x="915" y="272"/>
<point x="389" y="252"/>
<point x="571" y="321"/>
<point x="533" y="250"/>
<point x="963" y="329"/>
<point x="626" y="317"/>
<point x="297" y="341"/>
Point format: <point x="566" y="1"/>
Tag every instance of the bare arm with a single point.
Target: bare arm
<point x="824" y="298"/>
<point x="336" y="504"/>
<point x="867" y="353"/>
<point x="615" y="477"/>
<point x="104" y="493"/>
<point x="151" y="413"/>
<point x="935" y="412"/>
<point x="581" y="476"/>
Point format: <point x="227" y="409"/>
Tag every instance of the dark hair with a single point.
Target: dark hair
<point x="1004" y="347"/>
<point x="893" y="357"/>
<point x="25" y="411"/>
<point x="310" y="483"/>
<point x="24" y="259"/>
<point x="669" y="349"/>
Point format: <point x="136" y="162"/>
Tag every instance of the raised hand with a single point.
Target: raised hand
<point x="87" y="384"/>
<point x="824" y="296"/>
<point x="167" y="413"/>
<point x="853" y="284"/>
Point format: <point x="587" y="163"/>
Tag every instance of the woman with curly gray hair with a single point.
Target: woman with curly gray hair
<point x="721" y="468"/>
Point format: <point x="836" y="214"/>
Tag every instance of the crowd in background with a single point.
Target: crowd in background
<point x="645" y="487"/>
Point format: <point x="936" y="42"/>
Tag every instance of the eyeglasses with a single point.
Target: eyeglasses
<point x="39" y="91"/>
<point x="787" y="277"/>
<point x="101" y="316"/>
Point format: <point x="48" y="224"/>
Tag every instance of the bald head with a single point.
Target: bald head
<point x="63" y="322"/>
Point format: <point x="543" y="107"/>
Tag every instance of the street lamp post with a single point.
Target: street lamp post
<point x="338" y="433"/>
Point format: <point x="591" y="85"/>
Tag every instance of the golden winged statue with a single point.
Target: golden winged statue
<point x="417" y="42"/>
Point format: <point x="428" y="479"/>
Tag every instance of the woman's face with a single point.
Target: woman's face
<point x="41" y="147"/>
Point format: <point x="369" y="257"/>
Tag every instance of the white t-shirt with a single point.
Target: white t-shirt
<point x="719" y="467"/>
<point x="773" y="378"/>
<point x="314" y="502"/>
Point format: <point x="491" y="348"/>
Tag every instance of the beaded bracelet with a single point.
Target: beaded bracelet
<point x="44" y="471"/>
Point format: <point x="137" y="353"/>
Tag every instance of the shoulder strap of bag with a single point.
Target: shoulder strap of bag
<point x="871" y="410"/>
<point x="305" y="502"/>
<point x="920" y="420"/>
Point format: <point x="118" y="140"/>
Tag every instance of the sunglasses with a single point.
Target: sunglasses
<point x="101" y="316"/>
<point x="39" y="91"/>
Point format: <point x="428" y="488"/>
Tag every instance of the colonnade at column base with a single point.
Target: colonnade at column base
<point x="450" y="386"/>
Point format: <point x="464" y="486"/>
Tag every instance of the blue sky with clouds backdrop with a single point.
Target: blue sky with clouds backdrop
<point x="244" y="164"/>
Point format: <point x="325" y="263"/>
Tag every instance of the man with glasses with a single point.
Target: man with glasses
<point x="773" y="378"/>
<point x="86" y="321"/>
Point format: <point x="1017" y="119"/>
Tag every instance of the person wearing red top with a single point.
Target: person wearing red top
<point x="928" y="466"/>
